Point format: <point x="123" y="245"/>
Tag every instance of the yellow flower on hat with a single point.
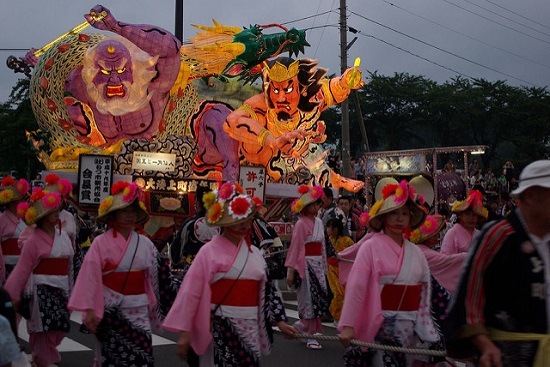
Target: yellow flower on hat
<point x="208" y="199"/>
<point x="375" y="208"/>
<point x="6" y="196"/>
<point x="30" y="215"/>
<point x="297" y="206"/>
<point x="105" y="205"/>
<point x="214" y="212"/>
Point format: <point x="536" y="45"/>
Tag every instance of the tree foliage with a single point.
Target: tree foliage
<point x="16" y="117"/>
<point x="411" y="112"/>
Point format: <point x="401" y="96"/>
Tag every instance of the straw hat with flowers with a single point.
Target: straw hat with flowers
<point x="394" y="196"/>
<point x="308" y="196"/>
<point x="11" y="190"/>
<point x="474" y="201"/>
<point x="40" y="204"/>
<point x="123" y="194"/>
<point x="56" y="184"/>
<point x="431" y="227"/>
<point x="230" y="205"/>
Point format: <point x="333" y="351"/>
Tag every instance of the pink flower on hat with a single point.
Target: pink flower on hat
<point x="129" y="192"/>
<point x="364" y="218"/>
<point x="64" y="187"/>
<point x="22" y="208"/>
<point x="22" y="186"/>
<point x="226" y="191"/>
<point x="317" y="193"/>
<point x="51" y="200"/>
<point x="429" y="226"/>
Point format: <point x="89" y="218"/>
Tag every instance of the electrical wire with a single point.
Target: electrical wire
<point x="465" y="35"/>
<point x="519" y="15"/>
<point x="443" y="50"/>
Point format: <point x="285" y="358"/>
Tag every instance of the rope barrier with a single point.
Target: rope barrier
<point x="390" y="348"/>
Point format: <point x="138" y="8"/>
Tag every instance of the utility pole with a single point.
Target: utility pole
<point x="179" y="20"/>
<point x="346" y="161"/>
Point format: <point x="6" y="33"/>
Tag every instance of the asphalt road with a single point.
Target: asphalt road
<point x="77" y="350"/>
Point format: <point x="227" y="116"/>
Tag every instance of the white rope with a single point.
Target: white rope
<point x="390" y="348"/>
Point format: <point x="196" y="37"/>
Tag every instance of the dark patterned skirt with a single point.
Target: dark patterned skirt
<point x="229" y="351"/>
<point x="122" y="343"/>
<point x="52" y="303"/>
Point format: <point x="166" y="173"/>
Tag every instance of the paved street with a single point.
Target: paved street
<point x="77" y="348"/>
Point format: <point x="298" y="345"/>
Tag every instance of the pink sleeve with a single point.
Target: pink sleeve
<point x="88" y="289"/>
<point x="191" y="309"/>
<point x="448" y="243"/>
<point x="445" y="268"/>
<point x="296" y="255"/>
<point x="362" y="308"/>
<point x="30" y="255"/>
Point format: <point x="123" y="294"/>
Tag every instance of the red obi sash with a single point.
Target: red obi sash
<point x="10" y="247"/>
<point x="52" y="266"/>
<point x="116" y="280"/>
<point x="314" y="249"/>
<point x="235" y="292"/>
<point x="401" y="297"/>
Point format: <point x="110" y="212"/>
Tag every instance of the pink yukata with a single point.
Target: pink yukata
<point x="457" y="240"/>
<point x="381" y="262"/>
<point x="10" y="230"/>
<point x="132" y="308"/>
<point x="239" y="333"/>
<point x="312" y="267"/>
<point x="445" y="268"/>
<point x="43" y="275"/>
<point x="349" y="254"/>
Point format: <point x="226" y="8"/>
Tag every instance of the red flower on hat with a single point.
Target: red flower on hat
<point x="240" y="207"/>
<point x="37" y="194"/>
<point x="238" y="188"/>
<point x="8" y="181"/>
<point x="388" y="190"/>
<point x="303" y="189"/>
<point x="51" y="179"/>
<point x="257" y="203"/>
<point x="118" y="187"/>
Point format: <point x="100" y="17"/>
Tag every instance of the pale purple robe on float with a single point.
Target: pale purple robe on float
<point x="457" y="240"/>
<point x="380" y="261"/>
<point x="219" y="258"/>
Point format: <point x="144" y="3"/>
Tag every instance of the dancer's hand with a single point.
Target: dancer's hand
<point x="91" y="321"/>
<point x="287" y="330"/>
<point x="183" y="344"/>
<point x="346" y="335"/>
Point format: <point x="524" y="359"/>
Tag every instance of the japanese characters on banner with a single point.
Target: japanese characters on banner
<point x="152" y="161"/>
<point x="252" y="179"/>
<point x="95" y="176"/>
<point x="172" y="184"/>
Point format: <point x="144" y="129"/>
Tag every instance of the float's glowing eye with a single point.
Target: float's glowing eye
<point x="105" y="72"/>
<point x="120" y="71"/>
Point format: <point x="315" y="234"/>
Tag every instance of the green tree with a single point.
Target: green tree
<point x="16" y="117"/>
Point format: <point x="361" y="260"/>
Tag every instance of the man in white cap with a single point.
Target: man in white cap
<point x="503" y="303"/>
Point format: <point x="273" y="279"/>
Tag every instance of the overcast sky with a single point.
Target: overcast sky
<point x="439" y="39"/>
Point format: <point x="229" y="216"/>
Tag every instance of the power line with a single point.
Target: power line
<point x="413" y="54"/>
<point x="502" y="16"/>
<point x="494" y="21"/>
<point x="519" y="15"/>
<point x="442" y="50"/>
<point x="465" y="35"/>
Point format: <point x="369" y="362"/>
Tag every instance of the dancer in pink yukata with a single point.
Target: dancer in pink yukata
<point x="388" y="296"/>
<point x="11" y="226"/>
<point x="306" y="262"/>
<point x="41" y="281"/>
<point x="471" y="214"/>
<point x="222" y="308"/>
<point x="119" y="285"/>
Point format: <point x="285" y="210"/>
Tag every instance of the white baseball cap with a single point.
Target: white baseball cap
<point x="534" y="174"/>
